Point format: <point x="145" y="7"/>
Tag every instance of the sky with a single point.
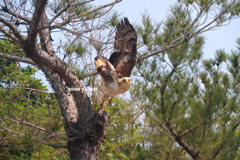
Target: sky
<point x="222" y="38"/>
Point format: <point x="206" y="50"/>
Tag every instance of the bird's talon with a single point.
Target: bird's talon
<point x="110" y="101"/>
<point x="101" y="104"/>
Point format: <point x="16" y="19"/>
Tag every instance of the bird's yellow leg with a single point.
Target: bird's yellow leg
<point x="110" y="100"/>
<point x="101" y="104"/>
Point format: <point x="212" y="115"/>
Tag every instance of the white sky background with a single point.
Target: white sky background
<point x="223" y="38"/>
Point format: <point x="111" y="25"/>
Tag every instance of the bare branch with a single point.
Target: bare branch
<point x="143" y="111"/>
<point x="56" y="64"/>
<point x="66" y="8"/>
<point x="214" y="20"/>
<point x="185" y="36"/>
<point x="31" y="89"/>
<point x="16" y="58"/>
<point x="38" y="128"/>
<point x="5" y="9"/>
<point x="8" y="130"/>
<point x="83" y="14"/>
<point x="14" y="30"/>
<point x="89" y="74"/>
<point x="8" y="34"/>
<point x="168" y="47"/>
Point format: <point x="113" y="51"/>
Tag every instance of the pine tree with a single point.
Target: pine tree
<point x="24" y="98"/>
<point x="180" y="107"/>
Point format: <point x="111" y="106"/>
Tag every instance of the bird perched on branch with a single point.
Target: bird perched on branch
<point x="116" y="71"/>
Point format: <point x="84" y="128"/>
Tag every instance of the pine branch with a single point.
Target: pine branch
<point x="55" y="145"/>
<point x="51" y="145"/>
<point x="32" y="32"/>
<point x="214" y="155"/>
<point x="168" y="47"/>
<point x="83" y="14"/>
<point x="13" y="29"/>
<point x="5" y="9"/>
<point x="66" y="8"/>
<point x="181" y="142"/>
<point x="9" y="34"/>
<point x="160" y="123"/>
<point x="16" y="58"/>
<point x="31" y="89"/>
<point x="38" y="128"/>
<point x="188" y="131"/>
<point x="89" y="74"/>
<point x="143" y="111"/>
<point x="8" y="130"/>
<point x="214" y="20"/>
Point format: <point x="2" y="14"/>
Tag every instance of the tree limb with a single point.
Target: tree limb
<point x="191" y="152"/>
<point x="168" y="47"/>
<point x="14" y="30"/>
<point x="8" y="130"/>
<point x="8" y="34"/>
<point x="32" y="89"/>
<point x="38" y="128"/>
<point x="66" y="8"/>
<point x="214" y="155"/>
<point x="5" y="9"/>
<point x="83" y="14"/>
<point x="16" y="58"/>
<point x="32" y="32"/>
<point x="188" y="131"/>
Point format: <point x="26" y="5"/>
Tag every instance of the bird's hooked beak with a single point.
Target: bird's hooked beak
<point x="127" y="80"/>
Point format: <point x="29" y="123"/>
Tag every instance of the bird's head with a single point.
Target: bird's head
<point x="124" y="84"/>
<point x="126" y="80"/>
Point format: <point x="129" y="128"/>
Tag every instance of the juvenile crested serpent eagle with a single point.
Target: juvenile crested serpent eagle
<point x="116" y="71"/>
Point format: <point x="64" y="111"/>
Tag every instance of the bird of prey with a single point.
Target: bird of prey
<point x="116" y="71"/>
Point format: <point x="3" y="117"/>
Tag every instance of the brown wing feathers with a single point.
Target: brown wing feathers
<point x="122" y="61"/>
<point x="125" y="49"/>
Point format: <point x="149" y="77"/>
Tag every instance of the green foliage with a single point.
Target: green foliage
<point x="78" y="8"/>
<point x="30" y="106"/>
<point x="77" y="47"/>
<point x="124" y="132"/>
<point x="113" y="19"/>
<point x="175" y="96"/>
<point x="177" y="93"/>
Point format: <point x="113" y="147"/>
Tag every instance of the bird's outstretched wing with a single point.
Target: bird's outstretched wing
<point x="125" y="49"/>
<point x="105" y="69"/>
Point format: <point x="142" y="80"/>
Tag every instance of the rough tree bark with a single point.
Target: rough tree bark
<point x="84" y="127"/>
<point x="82" y="124"/>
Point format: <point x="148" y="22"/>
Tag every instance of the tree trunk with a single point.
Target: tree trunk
<point x="87" y="146"/>
<point x="84" y="128"/>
